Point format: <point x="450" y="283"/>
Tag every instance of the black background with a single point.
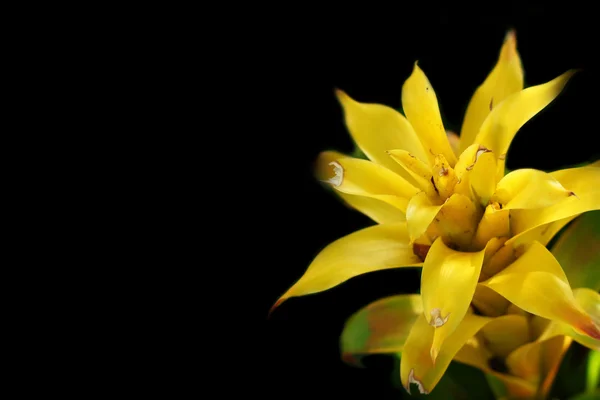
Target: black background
<point x="295" y="352"/>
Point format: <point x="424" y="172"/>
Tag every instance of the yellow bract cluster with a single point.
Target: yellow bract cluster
<point x="478" y="234"/>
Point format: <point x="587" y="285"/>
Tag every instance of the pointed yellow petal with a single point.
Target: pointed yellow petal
<point x="538" y="362"/>
<point x="475" y="354"/>
<point x="498" y="261"/>
<point x="419" y="170"/>
<point x="583" y="181"/>
<point x="573" y="250"/>
<point x="503" y="336"/>
<point x="552" y="356"/>
<point x="416" y="366"/>
<point x="465" y="167"/>
<point x="421" y="108"/>
<point x="529" y="188"/>
<point x="380" y="327"/>
<point x="448" y="283"/>
<point x="371" y="249"/>
<point x="376" y="128"/>
<point x="420" y="212"/>
<point x="483" y="177"/>
<point x="505" y="79"/>
<point x="362" y="177"/>
<point x="378" y="210"/>
<point x="503" y="122"/>
<point x="542" y="233"/>
<point x="589" y="301"/>
<point x="536" y="283"/>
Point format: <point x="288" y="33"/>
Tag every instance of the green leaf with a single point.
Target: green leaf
<point x="587" y="396"/>
<point x="577" y="251"/>
<point x="593" y="373"/>
<point x="379" y="328"/>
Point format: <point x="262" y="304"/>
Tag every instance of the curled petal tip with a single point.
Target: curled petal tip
<point x="509" y="48"/>
<point x="414" y="380"/>
<point x="569" y="74"/>
<point x="511" y="35"/>
<point x="340" y="94"/>
<point x="277" y="304"/>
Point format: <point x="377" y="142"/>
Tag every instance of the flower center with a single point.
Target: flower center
<point x="469" y="215"/>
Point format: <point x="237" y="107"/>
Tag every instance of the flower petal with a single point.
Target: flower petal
<point x="495" y="263"/>
<point x="488" y="302"/>
<point x="365" y="178"/>
<point x="552" y="356"/>
<point x="378" y="210"/>
<point x="376" y="128"/>
<point x="494" y="223"/>
<point x="476" y="173"/>
<point x="457" y="220"/>
<point x="419" y="170"/>
<point x="371" y="249"/>
<point x="543" y="233"/>
<point x="464" y="167"/>
<point x="573" y="251"/>
<point x="505" y="79"/>
<point x="475" y="354"/>
<point x="421" y="108"/>
<point x="448" y="283"/>
<point x="503" y="122"/>
<point x="380" y="327"/>
<point x="416" y="366"/>
<point x="583" y="181"/>
<point x="538" y="362"/>
<point x="504" y="335"/>
<point x="444" y="177"/>
<point x="483" y="177"/>
<point x="588" y="300"/>
<point x="420" y="212"/>
<point x="536" y="283"/>
<point x="529" y="188"/>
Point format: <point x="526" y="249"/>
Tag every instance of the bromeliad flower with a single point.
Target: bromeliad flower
<point x="490" y="288"/>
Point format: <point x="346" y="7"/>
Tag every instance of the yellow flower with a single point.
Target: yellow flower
<point x="488" y="280"/>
